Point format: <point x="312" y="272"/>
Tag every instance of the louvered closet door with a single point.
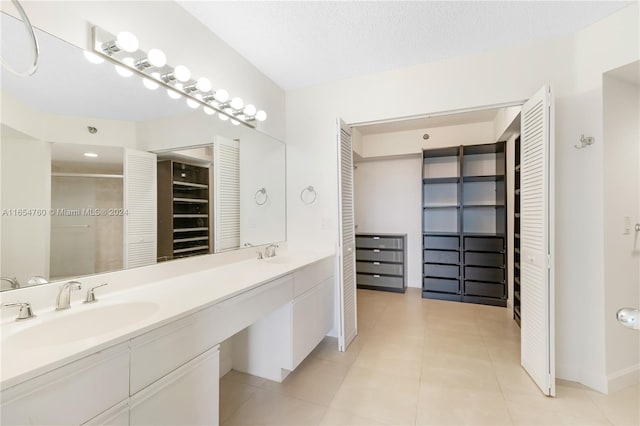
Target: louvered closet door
<point x="348" y="309"/>
<point x="536" y="229"/>
<point x="140" y="194"/>
<point x="226" y="164"/>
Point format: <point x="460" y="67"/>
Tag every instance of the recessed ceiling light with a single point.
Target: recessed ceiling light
<point x="90" y="154"/>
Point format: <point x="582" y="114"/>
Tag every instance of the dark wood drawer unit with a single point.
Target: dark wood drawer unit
<point x="380" y="281"/>
<point x="381" y="261"/>
<point x="476" y="288"/>
<point x="441" y="271"/>
<point x="441" y="285"/>
<point x="484" y="259"/>
<point x="489" y="244"/>
<point x="379" y="242"/>
<point x="378" y="255"/>
<point x="484" y="274"/>
<point x="441" y="243"/>
<point x="442" y="256"/>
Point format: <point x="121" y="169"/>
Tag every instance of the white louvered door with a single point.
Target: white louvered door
<point x="536" y="230"/>
<point x="346" y="251"/>
<point x="140" y="195"/>
<point x="226" y="169"/>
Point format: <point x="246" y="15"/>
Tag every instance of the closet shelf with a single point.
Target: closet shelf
<point x="495" y="206"/>
<point x="442" y="206"/>
<point x="484" y="178"/>
<point x="441" y="180"/>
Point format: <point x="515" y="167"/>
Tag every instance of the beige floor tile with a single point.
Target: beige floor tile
<point x="527" y="415"/>
<point x="315" y="380"/>
<point x="334" y="417"/>
<point x="247" y="379"/>
<point x="232" y="396"/>
<point x="455" y="372"/>
<point x="391" y="356"/>
<point x="271" y="408"/>
<point x="514" y="379"/>
<point x="383" y="397"/>
<point x="456" y="346"/>
<point x="621" y="407"/>
<point x="328" y="350"/>
<point x="447" y="406"/>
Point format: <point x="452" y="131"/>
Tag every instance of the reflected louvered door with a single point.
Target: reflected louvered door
<point x="140" y="195"/>
<point x="226" y="160"/>
<point x="348" y="308"/>
<point x="536" y="230"/>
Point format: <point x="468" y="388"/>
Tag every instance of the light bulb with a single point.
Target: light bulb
<point x="209" y="110"/>
<point x="221" y="96"/>
<point x="249" y="110"/>
<point x="149" y="83"/>
<point x="175" y="95"/>
<point x="92" y="57"/>
<point x="157" y="58"/>
<point x="127" y="41"/>
<point x="261" y="115"/>
<point x="124" y="72"/>
<point x="223" y="117"/>
<point x="236" y="103"/>
<point x="192" y="104"/>
<point x="203" y="84"/>
<point x="235" y="122"/>
<point x="182" y="73"/>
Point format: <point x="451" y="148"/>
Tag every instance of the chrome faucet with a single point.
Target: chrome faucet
<point x="64" y="295"/>
<point x="25" y="310"/>
<point x="11" y="280"/>
<point x="270" y="251"/>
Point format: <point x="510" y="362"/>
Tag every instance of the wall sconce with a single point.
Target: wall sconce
<point x="123" y="51"/>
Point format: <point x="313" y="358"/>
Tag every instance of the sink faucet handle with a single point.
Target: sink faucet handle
<point x="25" y="310"/>
<point x="91" y="296"/>
<point x="260" y="256"/>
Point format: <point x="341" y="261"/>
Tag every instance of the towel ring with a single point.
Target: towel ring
<point x="262" y="191"/>
<point x="311" y="190"/>
<point x="34" y="41"/>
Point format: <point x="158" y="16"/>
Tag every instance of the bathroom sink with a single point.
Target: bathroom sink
<point x="72" y="326"/>
<point x="280" y="260"/>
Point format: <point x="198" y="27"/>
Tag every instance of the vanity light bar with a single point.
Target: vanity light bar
<point x="122" y="50"/>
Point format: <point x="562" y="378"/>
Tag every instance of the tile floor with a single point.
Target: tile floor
<point x="419" y="362"/>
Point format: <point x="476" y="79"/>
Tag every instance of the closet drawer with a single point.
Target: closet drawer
<point x="484" y="259"/>
<point x="438" y="256"/>
<point x="484" y="244"/>
<point x="443" y="271"/>
<point x="379" y="255"/>
<point x="474" y="288"/>
<point x="441" y="243"/>
<point x="379" y="268"/>
<point x="380" y="280"/>
<point x="441" y="285"/>
<point x="484" y="274"/>
<point x="379" y="242"/>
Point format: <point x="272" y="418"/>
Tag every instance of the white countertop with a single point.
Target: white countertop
<point x="174" y="298"/>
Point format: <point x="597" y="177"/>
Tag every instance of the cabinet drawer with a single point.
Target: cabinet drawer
<point x="484" y="274"/>
<point x="484" y="259"/>
<point x="187" y="396"/>
<point x="442" y="285"/>
<point x="441" y="243"/>
<point x="380" y="255"/>
<point x="379" y="242"/>
<point x="484" y="244"/>
<point x="72" y="394"/>
<point x="178" y="343"/>
<point x="474" y="288"/>
<point x="380" y="281"/>
<point x="379" y="268"/>
<point x="443" y="271"/>
<point x="438" y="256"/>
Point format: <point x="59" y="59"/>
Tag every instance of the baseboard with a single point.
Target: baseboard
<point x="623" y="378"/>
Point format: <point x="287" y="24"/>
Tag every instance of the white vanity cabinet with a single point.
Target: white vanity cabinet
<point x="72" y="394"/>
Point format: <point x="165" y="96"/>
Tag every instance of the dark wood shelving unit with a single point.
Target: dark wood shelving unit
<point x="464" y="243"/>
<point x="516" y="235"/>
<point x="183" y="210"/>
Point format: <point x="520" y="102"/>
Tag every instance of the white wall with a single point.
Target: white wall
<point x="387" y="199"/>
<point x="622" y="251"/>
<point x="573" y="65"/>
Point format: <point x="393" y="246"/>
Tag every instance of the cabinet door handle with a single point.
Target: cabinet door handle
<point x="376" y="276"/>
<point x="376" y="250"/>
<point x="376" y="238"/>
<point x="376" y="263"/>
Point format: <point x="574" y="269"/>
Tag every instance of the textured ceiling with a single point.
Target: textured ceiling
<point x="304" y="43"/>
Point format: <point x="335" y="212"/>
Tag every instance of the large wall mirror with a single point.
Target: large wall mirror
<point x="99" y="173"/>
